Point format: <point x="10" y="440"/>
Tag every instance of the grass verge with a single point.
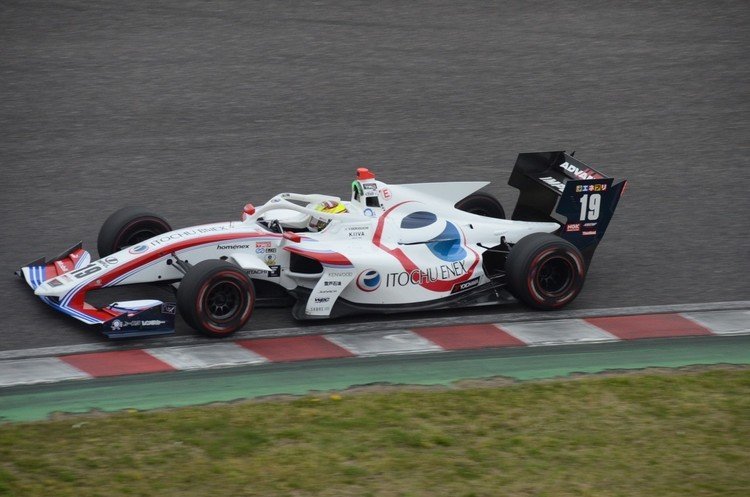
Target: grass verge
<point x="684" y="433"/>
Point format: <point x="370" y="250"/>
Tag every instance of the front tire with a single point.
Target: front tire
<point x="216" y="298"/>
<point x="544" y="271"/>
<point x="482" y="204"/>
<point x="127" y="227"/>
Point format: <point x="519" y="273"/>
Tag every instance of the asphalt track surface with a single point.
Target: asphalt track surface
<point x="195" y="108"/>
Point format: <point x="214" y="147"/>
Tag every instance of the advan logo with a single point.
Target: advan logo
<point x="368" y="280"/>
<point x="580" y="173"/>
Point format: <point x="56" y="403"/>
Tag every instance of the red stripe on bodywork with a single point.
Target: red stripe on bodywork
<point x="50" y="271"/>
<point x="78" y="301"/>
<point x="649" y="326"/>
<point x="117" y="363"/>
<point x="409" y="266"/>
<point x="62" y="266"/>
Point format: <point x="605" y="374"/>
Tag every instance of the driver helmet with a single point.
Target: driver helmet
<point x="329" y="207"/>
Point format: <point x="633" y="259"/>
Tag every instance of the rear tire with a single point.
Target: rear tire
<point x="482" y="204"/>
<point x="127" y="227"/>
<point x="544" y="271"/>
<point x="216" y="298"/>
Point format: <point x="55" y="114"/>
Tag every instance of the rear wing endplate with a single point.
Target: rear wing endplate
<point x="555" y="186"/>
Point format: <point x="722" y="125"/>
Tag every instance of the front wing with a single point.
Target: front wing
<point x="117" y="320"/>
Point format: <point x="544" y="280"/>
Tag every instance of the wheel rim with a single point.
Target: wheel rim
<point x="555" y="276"/>
<point x="223" y="301"/>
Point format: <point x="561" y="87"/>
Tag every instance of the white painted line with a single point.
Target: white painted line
<point x="374" y="343"/>
<point x="58" y="350"/>
<point x="722" y="322"/>
<point x="38" y="370"/>
<point x="206" y="356"/>
<point x="558" y="331"/>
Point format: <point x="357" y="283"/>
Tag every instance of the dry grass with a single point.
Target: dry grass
<point x="651" y="435"/>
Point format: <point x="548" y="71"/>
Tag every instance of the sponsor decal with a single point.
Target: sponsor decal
<point x="357" y="231"/>
<point x="168" y="308"/>
<point x="108" y="261"/>
<point x="277" y="200"/>
<point x="598" y="187"/>
<point x="368" y="280"/>
<point x="341" y="274"/>
<point x="55" y="282"/>
<point x="270" y="259"/>
<point x="369" y="212"/>
<point x="322" y="300"/>
<point x="320" y="309"/>
<point x="185" y="234"/>
<point x="138" y="249"/>
<point x="588" y="233"/>
<point x="460" y="287"/>
<point x="275" y="271"/>
<point x="386" y="194"/>
<point x="235" y="246"/>
<point x="119" y="325"/>
<point x="553" y="183"/>
<point x="370" y="189"/>
<point x="579" y="173"/>
<point x="153" y="322"/>
<point x="589" y="225"/>
<point x="263" y="244"/>
<point x="331" y="283"/>
<point x="573" y="227"/>
<point x="328" y="292"/>
<point x="428" y="275"/>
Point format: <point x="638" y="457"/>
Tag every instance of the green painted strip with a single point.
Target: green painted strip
<point x="199" y="387"/>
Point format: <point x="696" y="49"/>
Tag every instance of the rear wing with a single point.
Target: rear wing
<point x="556" y="186"/>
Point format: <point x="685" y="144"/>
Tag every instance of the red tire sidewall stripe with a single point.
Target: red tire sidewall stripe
<point x="244" y="285"/>
<point x="534" y="269"/>
<point x="134" y="222"/>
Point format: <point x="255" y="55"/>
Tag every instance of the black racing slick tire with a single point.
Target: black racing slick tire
<point x="127" y="227"/>
<point x="216" y="298"/>
<point x="482" y="204"/>
<point x="544" y="271"/>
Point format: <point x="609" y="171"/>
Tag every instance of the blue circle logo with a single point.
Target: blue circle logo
<point x="138" y="249"/>
<point x="368" y="280"/>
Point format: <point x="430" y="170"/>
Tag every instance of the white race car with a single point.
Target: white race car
<point x="390" y="248"/>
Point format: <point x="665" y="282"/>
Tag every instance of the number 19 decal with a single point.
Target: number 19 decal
<point x="590" y="203"/>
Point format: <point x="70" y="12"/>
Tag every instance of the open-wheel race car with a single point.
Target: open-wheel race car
<point x="390" y="248"/>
